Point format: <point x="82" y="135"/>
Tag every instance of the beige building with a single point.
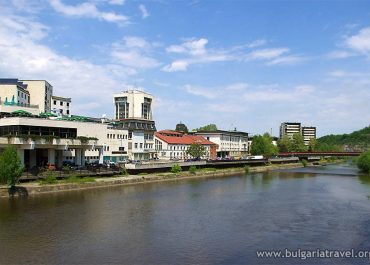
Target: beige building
<point x="40" y="93"/>
<point x="308" y="133"/>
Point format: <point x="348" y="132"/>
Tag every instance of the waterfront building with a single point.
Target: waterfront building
<point x="308" y="133"/>
<point x="61" y="105"/>
<point x="229" y="143"/>
<point x="133" y="112"/>
<point x="173" y="145"/>
<point x="290" y="128"/>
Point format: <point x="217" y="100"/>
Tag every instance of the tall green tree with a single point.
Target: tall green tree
<point x="298" y="143"/>
<point x="262" y="145"/>
<point x="10" y="167"/>
<point x="363" y="162"/>
<point x="284" y="144"/>
<point x="196" y="150"/>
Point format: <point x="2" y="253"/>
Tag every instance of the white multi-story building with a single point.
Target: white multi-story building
<point x="61" y="105"/>
<point x="229" y="143"/>
<point x="290" y="128"/>
<point x="133" y="112"/>
<point x="174" y="145"/>
<point x="308" y="133"/>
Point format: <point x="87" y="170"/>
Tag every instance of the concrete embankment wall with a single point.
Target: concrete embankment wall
<point x="35" y="188"/>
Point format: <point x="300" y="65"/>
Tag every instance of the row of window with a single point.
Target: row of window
<point x="119" y="136"/>
<point x="60" y="103"/>
<point x="22" y="95"/>
<point x="146" y="146"/>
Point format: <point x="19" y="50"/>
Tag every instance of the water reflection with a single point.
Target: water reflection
<point x="198" y="221"/>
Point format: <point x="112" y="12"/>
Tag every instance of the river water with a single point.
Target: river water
<point x="203" y="221"/>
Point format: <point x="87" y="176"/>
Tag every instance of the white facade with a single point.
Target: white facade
<point x="230" y="143"/>
<point x="61" y="105"/>
<point x="40" y="93"/>
<point x="290" y="128"/>
<point x="308" y="133"/>
<point x="133" y="104"/>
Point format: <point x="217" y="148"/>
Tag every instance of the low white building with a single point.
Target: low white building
<point x="229" y="143"/>
<point x="61" y="106"/>
<point x="174" y="145"/>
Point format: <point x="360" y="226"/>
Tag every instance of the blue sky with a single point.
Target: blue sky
<point x="244" y="64"/>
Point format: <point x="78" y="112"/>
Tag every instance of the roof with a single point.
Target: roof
<point x="14" y="81"/>
<point x="61" y="98"/>
<point x="179" y="138"/>
<point x="221" y="132"/>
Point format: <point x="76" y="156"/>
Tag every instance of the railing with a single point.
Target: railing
<point x="25" y="105"/>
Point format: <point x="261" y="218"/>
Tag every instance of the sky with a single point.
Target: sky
<point x="249" y="65"/>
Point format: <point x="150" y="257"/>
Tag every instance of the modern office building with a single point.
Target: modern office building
<point x="60" y="105"/>
<point x="290" y="128"/>
<point x="173" y="145"/>
<point x="308" y="133"/>
<point x="229" y="143"/>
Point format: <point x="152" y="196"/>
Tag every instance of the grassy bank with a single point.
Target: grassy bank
<point x="51" y="185"/>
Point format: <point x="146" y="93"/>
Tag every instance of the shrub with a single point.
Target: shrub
<point x="124" y="172"/>
<point x="192" y="169"/>
<point x="50" y="178"/>
<point x="246" y="169"/>
<point x="176" y="168"/>
<point x="10" y="167"/>
<point x="304" y="162"/>
<point x="363" y="162"/>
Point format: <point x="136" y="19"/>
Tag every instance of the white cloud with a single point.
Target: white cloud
<point x="257" y="43"/>
<point x="194" y="52"/>
<point x="89" y="10"/>
<point x="116" y="2"/>
<point x="199" y="91"/>
<point x="266" y="54"/>
<point x="134" y="52"/>
<point x="24" y="56"/>
<point x="341" y="54"/>
<point x="144" y="11"/>
<point x="360" y="42"/>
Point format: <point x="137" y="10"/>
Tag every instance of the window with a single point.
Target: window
<point x="135" y="145"/>
<point x="55" y="102"/>
<point x="67" y="104"/>
<point x="141" y="145"/>
<point x="121" y="148"/>
<point x="61" y="103"/>
<point x="67" y="111"/>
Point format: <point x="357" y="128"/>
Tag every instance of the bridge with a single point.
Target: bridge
<point x="309" y="154"/>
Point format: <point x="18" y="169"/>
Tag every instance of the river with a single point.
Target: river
<point x="201" y="221"/>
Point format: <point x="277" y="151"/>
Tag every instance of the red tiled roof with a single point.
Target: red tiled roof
<point x="179" y="138"/>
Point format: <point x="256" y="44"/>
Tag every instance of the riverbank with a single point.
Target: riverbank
<point x="35" y="188"/>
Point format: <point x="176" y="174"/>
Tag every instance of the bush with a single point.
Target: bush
<point x="11" y="168"/>
<point x="124" y="172"/>
<point x="193" y="169"/>
<point x="304" y="162"/>
<point x="363" y="162"/>
<point x="176" y="168"/>
<point x="246" y="169"/>
<point x="50" y="178"/>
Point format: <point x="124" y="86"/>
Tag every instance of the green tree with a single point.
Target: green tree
<point x="180" y="127"/>
<point x="298" y="143"/>
<point x="312" y="145"/>
<point x="10" y="167"/>
<point x="262" y="145"/>
<point x="363" y="162"/>
<point x="196" y="150"/>
<point x="284" y="144"/>
<point x="209" y="127"/>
